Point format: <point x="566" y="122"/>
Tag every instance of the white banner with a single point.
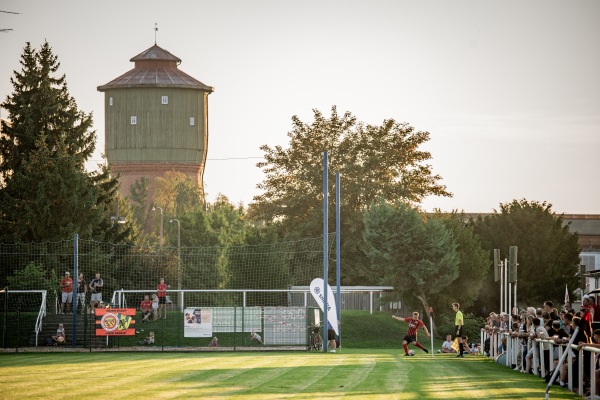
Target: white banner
<point x="197" y="322"/>
<point x="316" y="289"/>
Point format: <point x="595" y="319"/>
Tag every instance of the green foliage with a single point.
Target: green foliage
<point x="47" y="194"/>
<point x="472" y="268"/>
<point x="471" y="328"/>
<point x="418" y="257"/>
<point x="374" y="162"/>
<point x="138" y="199"/>
<point x="33" y="277"/>
<point x="548" y="253"/>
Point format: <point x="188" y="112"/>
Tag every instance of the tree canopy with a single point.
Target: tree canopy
<point x="46" y="193"/>
<point x="416" y="255"/>
<point x="548" y="253"/>
<point x="375" y="162"/>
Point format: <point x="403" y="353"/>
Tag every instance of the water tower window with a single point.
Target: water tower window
<point x="110" y="101"/>
<point x="192" y="121"/>
<point x="133" y="120"/>
<point x="165" y="100"/>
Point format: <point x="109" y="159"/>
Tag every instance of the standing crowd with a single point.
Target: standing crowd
<point x="555" y="328"/>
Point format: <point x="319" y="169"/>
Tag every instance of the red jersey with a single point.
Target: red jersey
<point x="413" y="326"/>
<point x="66" y="285"/>
<point x="162" y="290"/>
<point x="146" y="305"/>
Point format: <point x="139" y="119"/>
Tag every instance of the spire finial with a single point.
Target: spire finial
<point x="155" y="30"/>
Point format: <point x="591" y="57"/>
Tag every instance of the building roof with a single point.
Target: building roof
<point x="155" y="67"/>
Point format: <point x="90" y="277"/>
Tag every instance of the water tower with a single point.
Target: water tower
<point x="156" y="120"/>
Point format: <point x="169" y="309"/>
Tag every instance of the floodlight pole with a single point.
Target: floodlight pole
<point x="325" y="254"/>
<point x="179" y="263"/>
<point x="337" y="254"/>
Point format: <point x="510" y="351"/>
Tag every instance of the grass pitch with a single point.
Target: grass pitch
<point x="353" y="373"/>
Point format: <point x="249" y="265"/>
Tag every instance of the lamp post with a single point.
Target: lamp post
<point x="161" y="223"/>
<point x="178" y="262"/>
<point x="116" y="218"/>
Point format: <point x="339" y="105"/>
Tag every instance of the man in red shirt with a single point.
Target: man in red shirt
<point x="146" y="307"/>
<point x="66" y="285"/>
<point x="414" y="324"/>
<point x="161" y="290"/>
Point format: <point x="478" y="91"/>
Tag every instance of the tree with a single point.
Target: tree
<point x="46" y="193"/>
<point x="177" y="193"/>
<point x="473" y="264"/>
<point x="375" y="162"/>
<point x="417" y="256"/>
<point x="548" y="253"/>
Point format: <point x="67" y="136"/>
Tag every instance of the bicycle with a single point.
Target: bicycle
<point x="315" y="342"/>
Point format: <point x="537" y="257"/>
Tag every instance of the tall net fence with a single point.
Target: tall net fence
<point x="209" y="278"/>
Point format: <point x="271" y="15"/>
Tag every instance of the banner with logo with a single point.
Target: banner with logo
<point x="115" y="321"/>
<point x="197" y="322"/>
<point x="317" y="289"/>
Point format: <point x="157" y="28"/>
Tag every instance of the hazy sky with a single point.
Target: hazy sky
<point x="509" y="90"/>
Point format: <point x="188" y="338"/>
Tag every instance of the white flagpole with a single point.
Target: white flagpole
<point x="431" y="329"/>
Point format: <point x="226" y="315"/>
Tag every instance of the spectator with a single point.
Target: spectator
<point x="595" y="345"/>
<point x="567" y="323"/>
<point x="549" y="308"/>
<point x="581" y="338"/>
<point x="214" y="342"/>
<point x="587" y="315"/>
<point x="542" y="333"/>
<point x="146" y="307"/>
<point x="161" y="289"/>
<point x="558" y="334"/>
<point x="66" y="286"/>
<point x="447" y="345"/>
<point x="148" y="340"/>
<point x="155" y="305"/>
<point x="595" y="313"/>
<point x="331" y="337"/>
<point x="569" y="309"/>
<point x="81" y="292"/>
<point x="96" y="286"/>
<point x="60" y="335"/>
<point x="255" y="337"/>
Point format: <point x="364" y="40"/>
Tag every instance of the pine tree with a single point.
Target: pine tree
<point x="46" y="193"/>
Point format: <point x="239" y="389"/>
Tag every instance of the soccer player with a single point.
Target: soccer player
<point x="414" y="324"/>
<point x="458" y="324"/>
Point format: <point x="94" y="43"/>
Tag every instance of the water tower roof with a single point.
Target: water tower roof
<point x="155" y="67"/>
<point x="155" y="53"/>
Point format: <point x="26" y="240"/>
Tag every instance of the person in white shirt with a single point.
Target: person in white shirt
<point x="447" y="346"/>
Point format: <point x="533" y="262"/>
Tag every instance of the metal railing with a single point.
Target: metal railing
<point x="511" y="351"/>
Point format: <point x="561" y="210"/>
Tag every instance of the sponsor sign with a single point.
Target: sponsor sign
<point x="115" y="321"/>
<point x="197" y="322"/>
<point x="317" y="289"/>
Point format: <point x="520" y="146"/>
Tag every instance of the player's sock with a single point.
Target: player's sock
<point x="405" y="348"/>
<point x="421" y="347"/>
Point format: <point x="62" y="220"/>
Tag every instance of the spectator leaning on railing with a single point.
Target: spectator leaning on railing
<point x="544" y="329"/>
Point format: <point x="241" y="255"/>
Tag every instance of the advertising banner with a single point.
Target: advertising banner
<point x="115" y="321"/>
<point x="317" y="289"/>
<point x="197" y="322"/>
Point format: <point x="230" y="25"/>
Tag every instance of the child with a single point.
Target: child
<point x="155" y="304"/>
<point x="149" y="339"/>
<point x="214" y="342"/>
<point x="255" y="337"/>
<point x="60" y="335"/>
